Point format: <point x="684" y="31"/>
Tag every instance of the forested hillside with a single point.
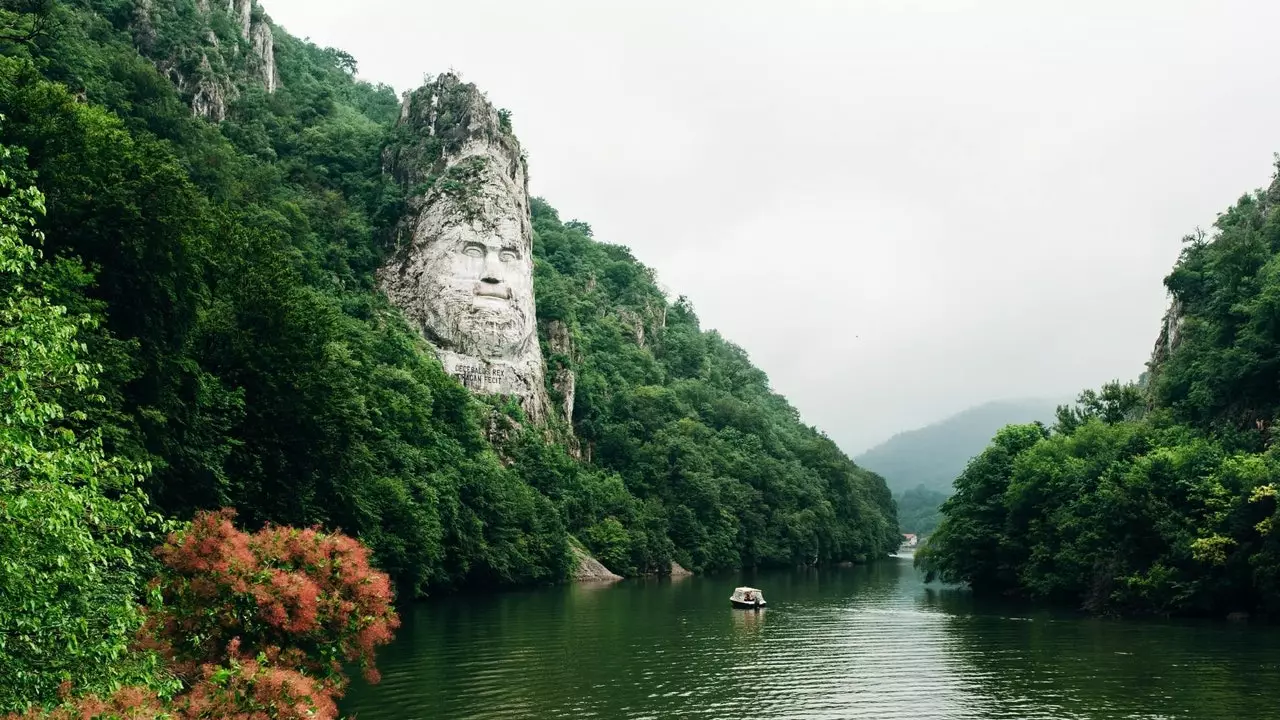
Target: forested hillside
<point x="721" y="469"/>
<point x="919" y="465"/>
<point x="919" y="510"/>
<point x="204" y="196"/>
<point x="932" y="456"/>
<point x="1153" y="498"/>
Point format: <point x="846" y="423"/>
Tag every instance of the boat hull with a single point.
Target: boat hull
<point x="741" y="605"/>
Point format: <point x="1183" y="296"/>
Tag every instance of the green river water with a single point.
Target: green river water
<point x="859" y="642"/>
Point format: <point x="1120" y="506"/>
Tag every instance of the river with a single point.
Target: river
<point x="859" y="642"/>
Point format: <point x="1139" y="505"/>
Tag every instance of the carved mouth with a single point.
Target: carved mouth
<point x="501" y="292"/>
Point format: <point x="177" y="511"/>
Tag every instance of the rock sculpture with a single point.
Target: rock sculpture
<point x="463" y="270"/>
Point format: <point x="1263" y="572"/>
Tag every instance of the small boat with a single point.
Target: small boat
<point x="747" y="597"/>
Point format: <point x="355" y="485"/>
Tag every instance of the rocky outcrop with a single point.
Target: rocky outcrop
<point x="209" y="95"/>
<point x="563" y="380"/>
<point x="262" y="57"/>
<point x="462" y="272"/>
<point x="1167" y="342"/>
<point x="589" y="569"/>
<point x="144" y="30"/>
<point x="677" y="571"/>
<point x="211" y="75"/>
<point x="241" y="12"/>
<point x="634" y="323"/>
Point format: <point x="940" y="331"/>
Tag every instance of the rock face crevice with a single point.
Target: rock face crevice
<point x="210" y="70"/>
<point x="462" y="271"/>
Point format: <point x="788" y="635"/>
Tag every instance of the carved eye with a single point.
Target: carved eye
<point x="509" y="256"/>
<point x="474" y="251"/>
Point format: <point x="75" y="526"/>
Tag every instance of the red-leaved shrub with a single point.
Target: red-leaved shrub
<point x="256" y="626"/>
<point x="127" y="703"/>
<point x="246" y="689"/>
<point x="306" y="600"/>
<point x="242" y="689"/>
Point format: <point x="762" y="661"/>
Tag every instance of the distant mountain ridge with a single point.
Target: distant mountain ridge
<point x="935" y="454"/>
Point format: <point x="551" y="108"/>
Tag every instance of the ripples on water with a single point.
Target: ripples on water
<point x="865" y="642"/>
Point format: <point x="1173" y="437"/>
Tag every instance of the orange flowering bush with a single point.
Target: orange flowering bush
<point x="243" y="689"/>
<point x="256" y="626"/>
<point x="127" y="703"/>
<point x="247" y="689"/>
<point x="307" y="600"/>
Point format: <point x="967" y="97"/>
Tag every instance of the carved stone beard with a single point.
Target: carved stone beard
<point x="476" y="280"/>
<point x="482" y="327"/>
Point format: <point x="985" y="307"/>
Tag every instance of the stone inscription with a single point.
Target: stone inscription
<point x="480" y="373"/>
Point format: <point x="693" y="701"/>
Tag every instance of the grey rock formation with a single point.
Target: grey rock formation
<point x="589" y="569"/>
<point x="242" y="12"/>
<point x="1167" y="342"/>
<point x="463" y="270"/>
<point x="224" y="64"/>
<point x="263" y="56"/>
<point x="144" y="30"/>
<point x="563" y="379"/>
<point x="209" y="97"/>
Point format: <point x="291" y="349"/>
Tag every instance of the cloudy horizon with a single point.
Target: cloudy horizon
<point x="898" y="210"/>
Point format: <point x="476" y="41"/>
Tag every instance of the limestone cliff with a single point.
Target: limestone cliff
<point x="233" y="46"/>
<point x="562" y="356"/>
<point x="462" y="272"/>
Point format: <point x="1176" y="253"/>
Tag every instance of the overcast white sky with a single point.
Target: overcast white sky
<point x="900" y="209"/>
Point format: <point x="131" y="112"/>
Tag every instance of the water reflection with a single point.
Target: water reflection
<point x="860" y="642"/>
<point x="748" y="621"/>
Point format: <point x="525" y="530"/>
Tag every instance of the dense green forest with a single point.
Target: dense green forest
<point x="1157" y="496"/>
<point x="190" y="322"/>
<point x="919" y="510"/>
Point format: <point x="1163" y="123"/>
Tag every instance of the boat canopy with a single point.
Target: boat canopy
<point x="741" y="591"/>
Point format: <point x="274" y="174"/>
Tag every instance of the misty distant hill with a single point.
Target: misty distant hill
<point x="934" y="455"/>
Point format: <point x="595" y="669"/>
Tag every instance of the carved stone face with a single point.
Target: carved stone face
<point x="478" y="283"/>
